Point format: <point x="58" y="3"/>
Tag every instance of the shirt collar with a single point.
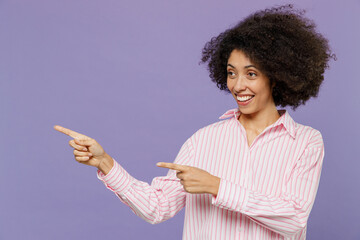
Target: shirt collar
<point x="285" y="119"/>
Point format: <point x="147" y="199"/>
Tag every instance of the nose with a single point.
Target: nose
<point x="240" y="84"/>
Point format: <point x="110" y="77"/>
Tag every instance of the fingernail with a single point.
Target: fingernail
<point x="84" y="149"/>
<point x="158" y="164"/>
<point x="90" y="154"/>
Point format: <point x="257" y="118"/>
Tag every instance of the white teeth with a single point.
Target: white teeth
<point x="245" y="98"/>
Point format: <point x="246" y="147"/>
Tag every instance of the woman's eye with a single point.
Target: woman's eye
<point x="251" y="74"/>
<point x="231" y="74"/>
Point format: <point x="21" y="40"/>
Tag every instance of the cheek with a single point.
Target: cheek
<point x="260" y="88"/>
<point x="265" y="93"/>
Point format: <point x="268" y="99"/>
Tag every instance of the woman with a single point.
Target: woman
<point x="255" y="174"/>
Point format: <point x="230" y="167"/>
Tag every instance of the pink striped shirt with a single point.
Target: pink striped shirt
<point x="266" y="190"/>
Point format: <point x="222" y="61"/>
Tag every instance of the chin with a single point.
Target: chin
<point x="247" y="110"/>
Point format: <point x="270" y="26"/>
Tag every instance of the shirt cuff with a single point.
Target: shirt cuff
<point x="117" y="180"/>
<point x="230" y="196"/>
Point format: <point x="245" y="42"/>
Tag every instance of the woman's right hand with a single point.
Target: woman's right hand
<point x="88" y="151"/>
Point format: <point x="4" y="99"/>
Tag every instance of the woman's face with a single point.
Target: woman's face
<point x="248" y="85"/>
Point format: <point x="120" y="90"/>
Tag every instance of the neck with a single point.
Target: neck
<point x="260" y="120"/>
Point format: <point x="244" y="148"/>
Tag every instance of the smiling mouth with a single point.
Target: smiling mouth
<point x="245" y="98"/>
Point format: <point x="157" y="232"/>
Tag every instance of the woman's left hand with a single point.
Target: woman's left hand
<point x="193" y="179"/>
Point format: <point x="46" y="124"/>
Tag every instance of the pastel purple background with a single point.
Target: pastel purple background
<point x="126" y="73"/>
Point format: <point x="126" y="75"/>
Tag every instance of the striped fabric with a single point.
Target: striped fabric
<point x="266" y="190"/>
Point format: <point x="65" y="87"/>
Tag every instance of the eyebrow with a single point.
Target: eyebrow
<point x="248" y="66"/>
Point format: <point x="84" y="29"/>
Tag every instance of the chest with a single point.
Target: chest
<point x="251" y="135"/>
<point x="262" y="167"/>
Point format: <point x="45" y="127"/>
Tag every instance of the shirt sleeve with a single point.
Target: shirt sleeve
<point x="287" y="214"/>
<point x="154" y="203"/>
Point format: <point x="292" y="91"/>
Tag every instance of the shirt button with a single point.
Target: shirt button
<point x="239" y="229"/>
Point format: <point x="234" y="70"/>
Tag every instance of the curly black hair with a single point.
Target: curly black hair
<point x="283" y="44"/>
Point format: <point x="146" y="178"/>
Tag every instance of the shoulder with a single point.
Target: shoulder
<point x="309" y="135"/>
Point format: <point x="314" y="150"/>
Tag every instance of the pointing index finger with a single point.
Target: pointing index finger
<point x="172" y="166"/>
<point x="70" y="133"/>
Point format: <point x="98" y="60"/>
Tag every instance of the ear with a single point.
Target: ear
<point x="273" y="85"/>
